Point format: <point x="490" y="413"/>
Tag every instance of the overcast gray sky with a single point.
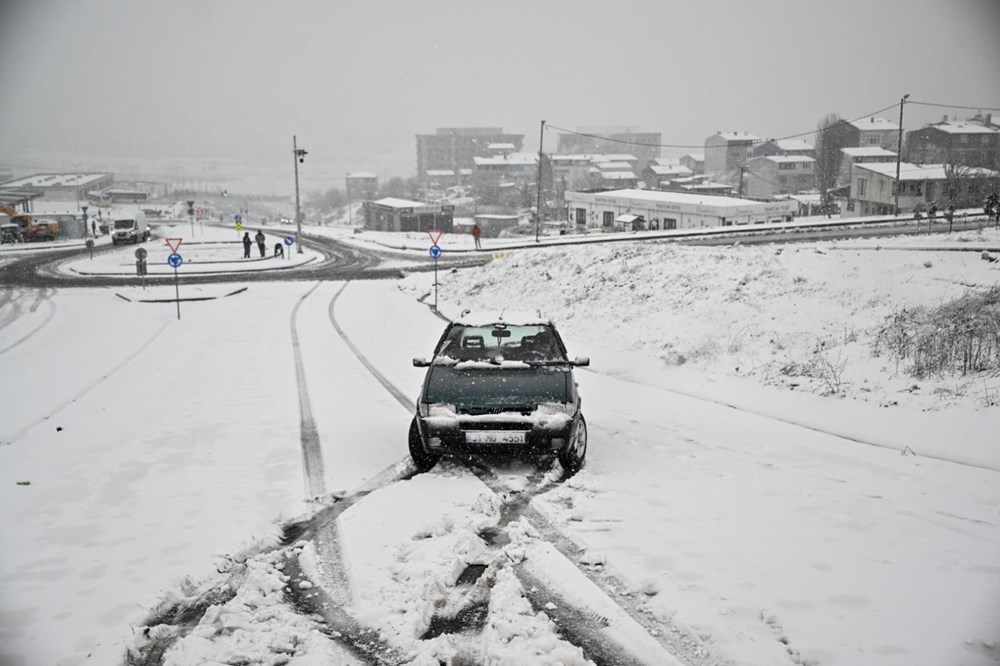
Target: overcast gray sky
<point x="99" y="82"/>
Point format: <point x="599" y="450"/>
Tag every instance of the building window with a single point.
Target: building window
<point x="609" y="218"/>
<point x="862" y="186"/>
<point x="581" y="216"/>
<point x="786" y="165"/>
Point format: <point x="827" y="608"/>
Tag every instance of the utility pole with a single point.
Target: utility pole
<point x="538" y="203"/>
<point x="899" y="151"/>
<point x="298" y="155"/>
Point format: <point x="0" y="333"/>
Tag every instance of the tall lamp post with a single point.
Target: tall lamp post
<point x="84" y="220"/>
<point x="299" y="155"/>
<point x="899" y="151"/>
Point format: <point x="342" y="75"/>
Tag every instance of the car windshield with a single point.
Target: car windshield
<point x="124" y="224"/>
<point x="523" y="387"/>
<point x="510" y="342"/>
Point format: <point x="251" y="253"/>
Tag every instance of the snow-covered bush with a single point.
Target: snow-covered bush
<point x="962" y="335"/>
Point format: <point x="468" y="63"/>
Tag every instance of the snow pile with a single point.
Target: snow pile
<point x="255" y="626"/>
<point x="798" y="317"/>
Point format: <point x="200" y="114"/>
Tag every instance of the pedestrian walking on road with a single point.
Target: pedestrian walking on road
<point x="246" y="245"/>
<point x="261" y="241"/>
<point x="476" y="233"/>
<point x="93" y="228"/>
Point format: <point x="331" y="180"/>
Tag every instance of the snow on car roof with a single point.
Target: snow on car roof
<point x="513" y="317"/>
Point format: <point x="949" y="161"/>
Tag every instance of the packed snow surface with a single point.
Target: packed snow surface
<point x="759" y="484"/>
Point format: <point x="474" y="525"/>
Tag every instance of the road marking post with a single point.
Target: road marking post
<point x="435" y="252"/>
<point x="176" y="260"/>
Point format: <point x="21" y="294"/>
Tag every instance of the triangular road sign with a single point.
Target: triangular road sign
<point x="435" y="236"/>
<point x="174" y="243"/>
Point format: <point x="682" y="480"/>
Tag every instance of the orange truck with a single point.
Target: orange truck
<point x="30" y="229"/>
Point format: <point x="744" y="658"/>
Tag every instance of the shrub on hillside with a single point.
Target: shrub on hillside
<point x="960" y="336"/>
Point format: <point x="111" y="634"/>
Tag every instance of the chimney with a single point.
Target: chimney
<point x="989" y="120"/>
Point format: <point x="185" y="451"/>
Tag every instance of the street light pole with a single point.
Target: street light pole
<point x="298" y="156"/>
<point x="899" y="151"/>
<point x="538" y="202"/>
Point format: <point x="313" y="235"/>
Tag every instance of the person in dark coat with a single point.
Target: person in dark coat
<point x="261" y="241"/>
<point x="246" y="245"/>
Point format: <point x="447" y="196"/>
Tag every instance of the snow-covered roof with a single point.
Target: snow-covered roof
<point x="962" y="127"/>
<point x="867" y="151"/>
<point x="697" y="157"/>
<point x="393" y="202"/>
<point x="500" y="146"/>
<point x="41" y="180"/>
<point x="440" y="172"/>
<point x="908" y="171"/>
<point x="361" y="174"/>
<point x="670" y="170"/>
<point x="512" y="160"/>
<point x="874" y="123"/>
<point x="682" y="197"/>
<point x="786" y="158"/>
<point x="612" y="166"/>
<point x="626" y="217"/>
<point x="613" y="157"/>
<point x="792" y="144"/>
<point x="738" y="136"/>
<point x="618" y="175"/>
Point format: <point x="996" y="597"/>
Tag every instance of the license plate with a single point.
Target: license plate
<point x="495" y="437"/>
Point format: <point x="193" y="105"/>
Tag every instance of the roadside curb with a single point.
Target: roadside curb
<point x="175" y="300"/>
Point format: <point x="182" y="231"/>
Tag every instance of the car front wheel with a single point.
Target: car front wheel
<point x="421" y="458"/>
<point x="571" y="458"/>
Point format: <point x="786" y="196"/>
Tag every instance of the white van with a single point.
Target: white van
<point x="130" y="229"/>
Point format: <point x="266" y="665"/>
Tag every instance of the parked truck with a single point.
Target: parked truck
<point x="130" y="229"/>
<point x="28" y="228"/>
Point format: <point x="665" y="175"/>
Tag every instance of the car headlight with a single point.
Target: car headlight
<point x="426" y="409"/>
<point x="568" y="408"/>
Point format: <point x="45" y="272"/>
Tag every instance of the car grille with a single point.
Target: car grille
<point x="472" y="410"/>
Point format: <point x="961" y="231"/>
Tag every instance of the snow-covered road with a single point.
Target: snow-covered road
<point x="139" y="449"/>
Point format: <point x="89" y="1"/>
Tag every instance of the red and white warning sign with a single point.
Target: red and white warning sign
<point x="174" y="243"/>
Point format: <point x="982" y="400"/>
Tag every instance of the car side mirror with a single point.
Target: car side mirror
<point x="420" y="363"/>
<point x="581" y="361"/>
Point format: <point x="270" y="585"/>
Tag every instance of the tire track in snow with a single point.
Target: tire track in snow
<point x="11" y="297"/>
<point x="312" y="455"/>
<point x="793" y="422"/>
<point x="41" y="297"/>
<point x="400" y="397"/>
<point x="516" y="503"/>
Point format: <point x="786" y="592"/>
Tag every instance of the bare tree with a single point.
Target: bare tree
<point x="829" y="142"/>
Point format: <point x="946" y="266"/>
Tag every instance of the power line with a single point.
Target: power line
<point x="676" y="145"/>
<point x="956" y="106"/>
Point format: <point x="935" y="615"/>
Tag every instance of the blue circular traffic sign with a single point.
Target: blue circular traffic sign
<point x="289" y="240"/>
<point x="435" y="251"/>
<point x="239" y="218"/>
<point x="175" y="260"/>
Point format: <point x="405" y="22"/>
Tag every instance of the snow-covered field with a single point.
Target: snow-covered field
<point x="748" y="510"/>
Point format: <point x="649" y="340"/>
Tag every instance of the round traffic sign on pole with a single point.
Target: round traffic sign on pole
<point x="435" y="251"/>
<point x="140" y="253"/>
<point x="289" y="240"/>
<point x="239" y="218"/>
<point x="174" y="260"/>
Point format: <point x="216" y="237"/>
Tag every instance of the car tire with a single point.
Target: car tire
<point x="421" y="458"/>
<point x="571" y="458"/>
